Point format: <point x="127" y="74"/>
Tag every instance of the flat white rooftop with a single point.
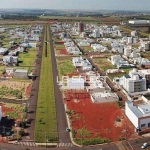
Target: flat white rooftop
<point x="146" y="72"/>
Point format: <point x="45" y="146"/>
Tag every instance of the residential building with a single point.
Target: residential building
<point x="138" y="115"/>
<point x="146" y="74"/>
<point x="103" y="97"/>
<point x="21" y="73"/>
<point x="134" y="82"/>
<point x="127" y="51"/>
<point x="96" y="33"/>
<point x="120" y="33"/>
<point x="81" y="62"/>
<point x="80" y="27"/>
<point x="134" y="33"/>
<point x="75" y="83"/>
<point x="10" y="60"/>
<point x="3" y="51"/>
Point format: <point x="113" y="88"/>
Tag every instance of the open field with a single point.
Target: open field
<point x="104" y="20"/>
<point x="103" y="63"/>
<point x="146" y="55"/>
<point x="27" y="59"/>
<point x="128" y="32"/>
<point x="65" y="66"/>
<point x="126" y="71"/>
<point x="92" y="121"/>
<point x="15" y="111"/>
<point x="67" y="18"/>
<point x="87" y="48"/>
<point x="13" y="89"/>
<point x="46" y="123"/>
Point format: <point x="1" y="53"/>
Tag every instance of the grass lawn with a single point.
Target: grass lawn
<point x="87" y="48"/>
<point x="18" y="112"/>
<point x="57" y="39"/>
<point x="76" y="37"/>
<point x="2" y="68"/>
<point x="103" y="64"/>
<point x="146" y="55"/>
<point x="27" y="59"/>
<point x="67" y="18"/>
<point x="33" y="49"/>
<point x="65" y="66"/>
<point x="126" y="71"/>
<point x="46" y="123"/>
<point x="106" y="44"/>
<point x="60" y="46"/>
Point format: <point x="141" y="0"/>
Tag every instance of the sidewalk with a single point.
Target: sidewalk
<point x="120" y="146"/>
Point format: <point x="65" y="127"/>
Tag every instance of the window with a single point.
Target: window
<point x="142" y="125"/>
<point x="148" y="124"/>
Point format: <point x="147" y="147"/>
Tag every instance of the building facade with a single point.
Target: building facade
<point x="80" y="27"/>
<point x="134" y="82"/>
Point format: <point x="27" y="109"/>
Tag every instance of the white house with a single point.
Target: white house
<point x="75" y="83"/>
<point x="103" y="97"/>
<point x="138" y="115"/>
<point x="11" y="60"/>
<point x="3" y="51"/>
<point x="80" y="62"/>
<point x="127" y="51"/>
<point x="73" y="50"/>
<point x="84" y="43"/>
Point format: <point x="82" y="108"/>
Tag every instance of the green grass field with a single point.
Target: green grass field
<point x="126" y="71"/>
<point x="103" y="64"/>
<point x="65" y="66"/>
<point x="46" y="123"/>
<point x="87" y="48"/>
<point x="67" y="18"/>
<point x="27" y="59"/>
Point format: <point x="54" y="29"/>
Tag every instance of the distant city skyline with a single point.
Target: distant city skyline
<point x="134" y="5"/>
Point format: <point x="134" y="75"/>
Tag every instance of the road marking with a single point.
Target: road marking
<point x="65" y="145"/>
<point x="31" y="144"/>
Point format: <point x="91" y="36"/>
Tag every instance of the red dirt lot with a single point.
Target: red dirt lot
<point x="99" y="119"/>
<point x="64" y="52"/>
<point x="28" y="90"/>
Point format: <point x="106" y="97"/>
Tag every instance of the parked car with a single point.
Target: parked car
<point x="67" y="129"/>
<point x="144" y="146"/>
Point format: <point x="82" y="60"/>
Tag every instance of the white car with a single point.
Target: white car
<point x="144" y="146"/>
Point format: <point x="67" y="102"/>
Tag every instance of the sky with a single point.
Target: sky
<point x="78" y="4"/>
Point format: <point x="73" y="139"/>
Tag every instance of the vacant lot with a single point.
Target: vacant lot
<point x="87" y="48"/>
<point x="27" y="59"/>
<point x="91" y="120"/>
<point x="13" y="89"/>
<point x="65" y="66"/>
<point x="120" y="74"/>
<point x="103" y="64"/>
<point x="145" y="55"/>
<point x="15" y="111"/>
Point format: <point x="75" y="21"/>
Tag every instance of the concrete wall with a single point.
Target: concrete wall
<point x="131" y="116"/>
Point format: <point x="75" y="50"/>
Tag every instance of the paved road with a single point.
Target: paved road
<point x="137" y="143"/>
<point x="5" y="146"/>
<point x="32" y="103"/>
<point x="61" y="115"/>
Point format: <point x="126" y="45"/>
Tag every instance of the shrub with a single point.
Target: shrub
<point x="121" y="138"/>
<point x="92" y="141"/>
